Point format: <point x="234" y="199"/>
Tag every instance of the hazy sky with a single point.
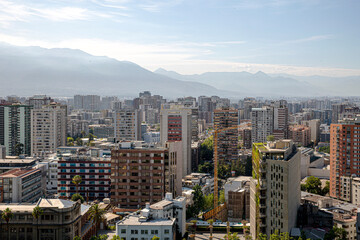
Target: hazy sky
<point x="302" y="37"/>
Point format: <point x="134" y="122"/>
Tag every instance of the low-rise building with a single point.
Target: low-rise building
<point x="22" y="185"/>
<point x="204" y="180"/>
<point x="60" y="220"/>
<point x="11" y="162"/>
<point x="237" y="198"/>
<point x="164" y="219"/>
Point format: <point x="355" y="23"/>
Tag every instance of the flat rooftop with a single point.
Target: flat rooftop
<point x="18" y="172"/>
<point x="133" y="220"/>
<point x="161" y="204"/>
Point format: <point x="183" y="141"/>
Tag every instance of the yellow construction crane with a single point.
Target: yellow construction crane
<point x="217" y="208"/>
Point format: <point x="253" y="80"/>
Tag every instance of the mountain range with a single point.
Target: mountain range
<point x="65" y="72"/>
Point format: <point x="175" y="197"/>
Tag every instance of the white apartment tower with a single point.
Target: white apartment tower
<point x="127" y="125"/>
<point x="175" y="125"/>
<point x="48" y="128"/>
<point x="262" y="122"/>
<point x="274" y="188"/>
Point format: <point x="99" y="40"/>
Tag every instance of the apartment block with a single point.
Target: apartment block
<point x="300" y="134"/>
<point x="281" y="120"/>
<point x="262" y="123"/>
<point x="87" y="102"/>
<point x="15" y="129"/>
<point x="145" y="174"/>
<point x="127" y="125"/>
<point x="227" y="141"/>
<point x="95" y="171"/>
<point x="22" y="185"/>
<point x="274" y="188"/>
<point x="37" y="101"/>
<point x="344" y="156"/>
<point x="48" y="128"/>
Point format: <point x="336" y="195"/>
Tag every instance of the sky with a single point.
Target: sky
<point x="299" y="37"/>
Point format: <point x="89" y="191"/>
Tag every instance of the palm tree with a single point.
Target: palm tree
<point x="77" y="180"/>
<point x="36" y="213"/>
<point x="211" y="226"/>
<point x="193" y="228"/>
<point x="7" y="216"/>
<point x="96" y="215"/>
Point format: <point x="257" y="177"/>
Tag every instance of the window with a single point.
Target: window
<point x="123" y="231"/>
<point x="134" y="231"/>
<point x="166" y="231"/>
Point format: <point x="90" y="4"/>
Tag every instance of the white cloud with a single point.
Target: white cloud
<point x="181" y="57"/>
<point x="312" y="39"/>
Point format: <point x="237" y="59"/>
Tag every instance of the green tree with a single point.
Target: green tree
<point x="36" y="213"/>
<point x="75" y="197"/>
<point x="7" y="215"/>
<point x="224" y="171"/>
<point x="313" y="185"/>
<point x="70" y="141"/>
<point x="96" y="215"/>
<point x="231" y="236"/>
<point x="270" y="138"/>
<point x="207" y="149"/>
<point x="77" y="238"/>
<point x="336" y="233"/>
<point x="206" y="167"/>
<point x="115" y="237"/>
<point x="155" y="238"/>
<point x="77" y="180"/>
<point x="19" y="149"/>
<point x="100" y="237"/>
<point x="325" y="149"/>
<point x="79" y="142"/>
<point x="198" y="199"/>
<point x="222" y="197"/>
<point x="211" y="226"/>
<point x="209" y="201"/>
<point x="326" y="189"/>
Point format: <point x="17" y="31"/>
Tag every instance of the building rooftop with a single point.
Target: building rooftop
<point x="134" y="220"/>
<point x="55" y="203"/>
<point x="160" y="205"/>
<point x="15" y="159"/>
<point x="18" y="172"/>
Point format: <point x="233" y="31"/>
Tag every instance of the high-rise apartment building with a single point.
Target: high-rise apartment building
<point x="143" y="174"/>
<point x="262" y="123"/>
<point x="127" y="125"/>
<point x="274" y="188"/>
<point x="227" y="140"/>
<point x="300" y="135"/>
<point x="15" y="129"/>
<point x="281" y="120"/>
<point x="314" y="126"/>
<point x="175" y="125"/>
<point x="94" y="170"/>
<point x="48" y="128"/>
<point x="37" y="101"/>
<point x="344" y="156"/>
<point x="87" y="102"/>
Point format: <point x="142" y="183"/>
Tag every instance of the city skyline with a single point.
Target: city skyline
<point x="318" y="37"/>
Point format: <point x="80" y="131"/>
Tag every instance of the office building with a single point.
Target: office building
<point x="274" y="188"/>
<point x="15" y="129"/>
<point x="314" y="126"/>
<point x="48" y="128"/>
<point x="144" y="174"/>
<point x="127" y="125"/>
<point x="175" y="125"/>
<point x="227" y="140"/>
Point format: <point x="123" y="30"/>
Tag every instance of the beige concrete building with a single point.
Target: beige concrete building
<point x="127" y="125"/>
<point x="60" y="220"/>
<point x="48" y="128"/>
<point x="274" y="188"/>
<point x="22" y="185"/>
<point x="175" y="125"/>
